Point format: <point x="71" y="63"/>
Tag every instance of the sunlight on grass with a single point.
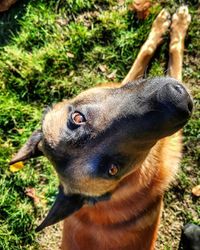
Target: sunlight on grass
<point x="50" y="50"/>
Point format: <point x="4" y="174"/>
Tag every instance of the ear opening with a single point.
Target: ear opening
<point x="32" y="148"/>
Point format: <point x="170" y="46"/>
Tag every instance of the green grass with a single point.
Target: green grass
<point x="49" y="51"/>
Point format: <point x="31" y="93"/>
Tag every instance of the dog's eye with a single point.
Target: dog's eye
<point x="78" y="118"/>
<point x="113" y="170"/>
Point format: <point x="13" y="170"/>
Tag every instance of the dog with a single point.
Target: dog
<point x="116" y="148"/>
<point x="190" y="238"/>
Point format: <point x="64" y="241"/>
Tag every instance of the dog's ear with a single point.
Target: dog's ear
<point x="32" y="148"/>
<point x="64" y="206"/>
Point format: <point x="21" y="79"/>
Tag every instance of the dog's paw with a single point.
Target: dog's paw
<point x="180" y="22"/>
<point x="159" y="28"/>
<point x="161" y="23"/>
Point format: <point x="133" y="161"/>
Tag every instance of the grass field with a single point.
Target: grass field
<point x="51" y="50"/>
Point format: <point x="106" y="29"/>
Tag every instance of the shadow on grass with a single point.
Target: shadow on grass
<point x="10" y="21"/>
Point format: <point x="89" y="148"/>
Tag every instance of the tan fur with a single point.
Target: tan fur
<point x="129" y="221"/>
<point x="141" y="7"/>
<point x="179" y="27"/>
<point x="6" y="4"/>
<point x="159" y="27"/>
<point x="54" y="118"/>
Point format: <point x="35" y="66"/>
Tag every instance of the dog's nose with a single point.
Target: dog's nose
<point x="175" y="98"/>
<point x="179" y="93"/>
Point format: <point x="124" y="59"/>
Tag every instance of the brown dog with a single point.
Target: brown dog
<point x="117" y="148"/>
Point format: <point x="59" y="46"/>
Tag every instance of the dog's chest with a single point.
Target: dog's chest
<point x="80" y="233"/>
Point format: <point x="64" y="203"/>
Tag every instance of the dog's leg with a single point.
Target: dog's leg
<point x="180" y="22"/>
<point x="159" y="27"/>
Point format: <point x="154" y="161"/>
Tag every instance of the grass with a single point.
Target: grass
<point x="49" y="51"/>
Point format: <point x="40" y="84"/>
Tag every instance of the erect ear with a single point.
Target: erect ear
<point x="32" y="148"/>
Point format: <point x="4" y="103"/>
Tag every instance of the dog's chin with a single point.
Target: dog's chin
<point x="65" y="205"/>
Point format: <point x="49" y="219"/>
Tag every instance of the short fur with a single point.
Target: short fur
<point x="130" y="220"/>
<point x="147" y="147"/>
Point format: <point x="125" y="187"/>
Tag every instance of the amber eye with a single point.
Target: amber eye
<point x="78" y="118"/>
<point x="113" y="170"/>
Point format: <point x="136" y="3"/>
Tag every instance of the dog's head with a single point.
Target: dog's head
<point x="103" y="135"/>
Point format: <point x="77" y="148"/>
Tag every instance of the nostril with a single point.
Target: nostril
<point x="179" y="88"/>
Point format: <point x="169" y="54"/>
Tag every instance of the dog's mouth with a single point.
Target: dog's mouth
<point x="65" y="205"/>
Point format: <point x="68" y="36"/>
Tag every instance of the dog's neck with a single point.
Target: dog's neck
<point x="131" y="217"/>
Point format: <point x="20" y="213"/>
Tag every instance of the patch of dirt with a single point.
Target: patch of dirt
<point x="50" y="237"/>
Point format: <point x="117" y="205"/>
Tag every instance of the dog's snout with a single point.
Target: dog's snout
<point x="174" y="92"/>
<point x="190" y="105"/>
<point x="180" y="93"/>
<point x="175" y="97"/>
<point x="177" y="88"/>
